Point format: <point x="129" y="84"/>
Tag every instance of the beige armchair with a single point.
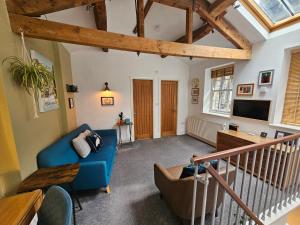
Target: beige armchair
<point x="178" y="193"/>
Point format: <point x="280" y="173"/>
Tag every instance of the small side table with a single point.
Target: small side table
<point x="45" y="177"/>
<point x="120" y="131"/>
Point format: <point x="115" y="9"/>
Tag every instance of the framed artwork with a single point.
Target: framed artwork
<point x="195" y="83"/>
<point x="195" y="92"/>
<point x="107" y="101"/>
<point x="47" y="99"/>
<point x="71" y="103"/>
<point x="245" y="90"/>
<point x="195" y="100"/>
<point x="280" y="134"/>
<point x="265" y="78"/>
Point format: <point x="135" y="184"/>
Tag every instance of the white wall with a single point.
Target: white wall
<point x="271" y="54"/>
<point x="93" y="68"/>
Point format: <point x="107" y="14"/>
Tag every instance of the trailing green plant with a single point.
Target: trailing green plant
<point x="32" y="75"/>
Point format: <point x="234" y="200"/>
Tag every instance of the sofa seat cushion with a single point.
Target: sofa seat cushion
<point x="176" y="171"/>
<point x="106" y="153"/>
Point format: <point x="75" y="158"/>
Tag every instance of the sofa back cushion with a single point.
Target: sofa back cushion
<point x="62" y="151"/>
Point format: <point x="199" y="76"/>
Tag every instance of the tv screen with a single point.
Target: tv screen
<point x="254" y="109"/>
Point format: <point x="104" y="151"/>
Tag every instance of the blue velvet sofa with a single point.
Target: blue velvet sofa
<point x="95" y="169"/>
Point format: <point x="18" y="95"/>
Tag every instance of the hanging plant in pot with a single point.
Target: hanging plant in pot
<point x="31" y="75"/>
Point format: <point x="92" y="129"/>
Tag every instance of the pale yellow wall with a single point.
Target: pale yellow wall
<point x="9" y="164"/>
<point x="66" y="70"/>
<point x="31" y="135"/>
<point x="294" y="217"/>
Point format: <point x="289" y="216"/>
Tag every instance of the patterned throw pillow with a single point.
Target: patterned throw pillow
<point x="95" y="141"/>
<point x="189" y="170"/>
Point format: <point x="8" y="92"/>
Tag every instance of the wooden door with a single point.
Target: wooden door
<point x="143" y="108"/>
<point x="169" y="93"/>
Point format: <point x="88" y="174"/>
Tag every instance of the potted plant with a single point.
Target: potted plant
<point x="33" y="76"/>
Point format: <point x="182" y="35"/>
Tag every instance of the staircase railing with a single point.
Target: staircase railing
<point x="266" y="179"/>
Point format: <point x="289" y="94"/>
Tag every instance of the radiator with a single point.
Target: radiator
<point x="203" y="130"/>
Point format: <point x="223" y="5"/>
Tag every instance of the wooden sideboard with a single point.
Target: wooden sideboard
<point x="233" y="139"/>
<point x="20" y="209"/>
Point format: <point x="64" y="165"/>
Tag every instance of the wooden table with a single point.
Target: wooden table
<point x="45" y="177"/>
<point x="120" y="125"/>
<point x="232" y="139"/>
<point x="20" y="209"/>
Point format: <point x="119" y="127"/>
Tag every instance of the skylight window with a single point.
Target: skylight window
<point x="278" y="10"/>
<point x="294" y="5"/>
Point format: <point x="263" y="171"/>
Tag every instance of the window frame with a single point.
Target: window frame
<point x="264" y="20"/>
<point x="212" y="91"/>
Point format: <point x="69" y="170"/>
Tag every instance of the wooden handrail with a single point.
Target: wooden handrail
<point x="227" y="188"/>
<point x="243" y="149"/>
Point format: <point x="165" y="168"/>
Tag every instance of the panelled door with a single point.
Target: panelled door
<point x="143" y="108"/>
<point x="169" y="93"/>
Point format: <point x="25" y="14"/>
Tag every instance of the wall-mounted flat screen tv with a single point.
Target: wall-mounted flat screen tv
<point x="254" y="109"/>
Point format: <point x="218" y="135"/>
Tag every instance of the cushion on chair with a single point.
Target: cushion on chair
<point x="190" y="169"/>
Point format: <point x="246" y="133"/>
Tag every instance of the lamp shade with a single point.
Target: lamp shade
<point x="106" y="87"/>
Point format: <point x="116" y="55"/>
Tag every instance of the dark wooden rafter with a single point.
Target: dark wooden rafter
<point x="101" y="17"/>
<point x="181" y="4"/>
<point x="204" y="9"/>
<point x="189" y="26"/>
<point x="48" y="30"/>
<point x="223" y="26"/>
<point x="140" y="18"/>
<point x="41" y="7"/>
<point x="146" y="11"/>
<point x="198" y="33"/>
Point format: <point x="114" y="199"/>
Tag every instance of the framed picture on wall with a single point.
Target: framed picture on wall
<point x="195" y="92"/>
<point x="48" y="98"/>
<point x="107" y="101"/>
<point x="265" y="78"/>
<point x="195" y="99"/>
<point x="195" y="83"/>
<point x="245" y="90"/>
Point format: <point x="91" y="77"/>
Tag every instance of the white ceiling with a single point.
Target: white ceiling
<point x="163" y="23"/>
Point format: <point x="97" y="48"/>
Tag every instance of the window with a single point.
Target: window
<point x="274" y="14"/>
<point x="276" y="10"/>
<point x="221" y="89"/>
<point x="291" y="111"/>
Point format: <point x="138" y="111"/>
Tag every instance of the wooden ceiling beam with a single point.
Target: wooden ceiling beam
<point x="41" y="7"/>
<point x="219" y="6"/>
<point x="189" y="26"/>
<point x="140" y="18"/>
<point x="198" y="33"/>
<point x="202" y="7"/>
<point x="101" y="17"/>
<point x="181" y="4"/>
<point x="146" y="11"/>
<point x="223" y="26"/>
<point x="54" y="31"/>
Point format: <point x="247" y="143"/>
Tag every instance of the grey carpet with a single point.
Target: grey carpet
<point x="134" y="199"/>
